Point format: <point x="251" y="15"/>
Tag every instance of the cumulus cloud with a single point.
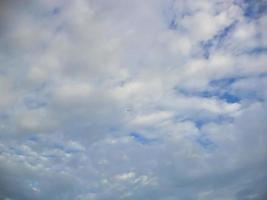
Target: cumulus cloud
<point x="131" y="100"/>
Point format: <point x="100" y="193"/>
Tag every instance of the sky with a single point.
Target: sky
<point x="133" y="99"/>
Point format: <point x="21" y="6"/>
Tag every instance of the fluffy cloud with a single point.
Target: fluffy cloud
<point x="133" y="100"/>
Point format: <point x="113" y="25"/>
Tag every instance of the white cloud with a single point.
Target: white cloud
<point x="73" y="91"/>
<point x="152" y="119"/>
<point x="132" y="100"/>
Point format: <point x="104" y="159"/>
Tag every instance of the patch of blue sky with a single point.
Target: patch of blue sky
<point x="33" y="138"/>
<point x="224" y="95"/>
<point x="263" y="75"/>
<point x="52" y="157"/>
<point x="206" y="143"/>
<point x="255" y="9"/>
<point x="72" y="150"/>
<point x="66" y="149"/>
<point x="3" y="116"/>
<point x="172" y="17"/>
<point x="142" y="139"/>
<point x="59" y="146"/>
<point x="222" y="89"/>
<point x="224" y="82"/>
<point x="15" y="151"/>
<point x="215" y="42"/>
<point x="252" y="95"/>
<point x="228" y="81"/>
<point x="114" y="129"/>
<point x="257" y="50"/>
<point x="252" y="9"/>
<point x="173" y="24"/>
<point x="34" y="104"/>
<point x="37" y="98"/>
<point x="34" y="184"/>
<point x="200" y="121"/>
<point x="56" y="11"/>
<point x="2" y="72"/>
<point x="230" y="98"/>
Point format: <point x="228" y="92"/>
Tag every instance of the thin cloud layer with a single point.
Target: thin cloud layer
<point x="132" y="100"/>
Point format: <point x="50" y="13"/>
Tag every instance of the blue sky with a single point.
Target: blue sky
<point x="133" y="100"/>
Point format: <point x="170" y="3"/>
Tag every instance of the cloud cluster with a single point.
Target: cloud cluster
<point x="131" y="100"/>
